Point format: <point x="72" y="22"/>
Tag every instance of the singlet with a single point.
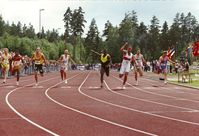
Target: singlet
<point x="127" y="58"/>
<point x="17" y="60"/>
<point x="65" y="60"/>
<point x="38" y="59"/>
<point x="5" y="58"/>
<point x="163" y="62"/>
<point x="138" y="60"/>
<point x="103" y="58"/>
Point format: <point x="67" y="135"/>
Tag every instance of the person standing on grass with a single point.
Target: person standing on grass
<point x="163" y="64"/>
<point x="138" y="65"/>
<point x="105" y="60"/>
<point x="38" y="59"/>
<point x="64" y="62"/>
<point x="16" y="65"/>
<point x="126" y="62"/>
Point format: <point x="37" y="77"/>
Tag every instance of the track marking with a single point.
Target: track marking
<point x="92" y="116"/>
<point x="22" y="116"/>
<point x="157" y="94"/>
<point x="143" y="112"/>
<point x="158" y="112"/>
<point x="10" y="86"/>
<point x="38" y="86"/>
<point x="94" y="87"/>
<point x="3" y="119"/>
<point x="66" y="87"/>
<point x="145" y="100"/>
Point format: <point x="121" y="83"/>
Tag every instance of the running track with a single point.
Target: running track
<point x="81" y="108"/>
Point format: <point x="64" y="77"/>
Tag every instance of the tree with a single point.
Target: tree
<point x="164" y="38"/>
<point x="92" y="41"/>
<point x="153" y="46"/>
<point x="30" y="33"/>
<point x="67" y="21"/>
<point x="107" y="28"/>
<point x="141" y="34"/>
<point x="2" y="29"/>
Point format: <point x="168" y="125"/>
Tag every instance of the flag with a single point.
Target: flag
<point x="170" y="52"/>
<point x="196" y="49"/>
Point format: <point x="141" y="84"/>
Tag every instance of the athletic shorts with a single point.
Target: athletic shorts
<point x="64" y="68"/>
<point x="125" y="68"/>
<point x="104" y="70"/>
<point x="39" y="68"/>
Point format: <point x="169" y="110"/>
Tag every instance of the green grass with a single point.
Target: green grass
<point x="193" y="84"/>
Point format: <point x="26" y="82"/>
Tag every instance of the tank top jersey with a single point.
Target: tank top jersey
<point x="38" y="59"/>
<point x="163" y="62"/>
<point x="138" y="60"/>
<point x="17" y="60"/>
<point x="65" y="60"/>
<point x="127" y="58"/>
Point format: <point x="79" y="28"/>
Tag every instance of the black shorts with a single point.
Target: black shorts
<point x="39" y="68"/>
<point x="105" y="69"/>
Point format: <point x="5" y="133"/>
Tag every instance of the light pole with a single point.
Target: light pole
<point x="40" y="19"/>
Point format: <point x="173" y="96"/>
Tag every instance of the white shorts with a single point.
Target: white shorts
<point x="64" y="68"/>
<point x="125" y="68"/>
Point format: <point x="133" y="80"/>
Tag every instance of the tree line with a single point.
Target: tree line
<point x="151" y="39"/>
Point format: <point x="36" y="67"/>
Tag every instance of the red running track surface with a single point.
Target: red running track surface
<point x="82" y="108"/>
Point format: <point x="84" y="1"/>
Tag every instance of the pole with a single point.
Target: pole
<point x="40" y="19"/>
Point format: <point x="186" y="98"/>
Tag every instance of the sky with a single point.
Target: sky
<point x="27" y="11"/>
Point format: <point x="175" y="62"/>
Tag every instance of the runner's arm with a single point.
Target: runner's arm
<point x="96" y="52"/>
<point x="123" y="47"/>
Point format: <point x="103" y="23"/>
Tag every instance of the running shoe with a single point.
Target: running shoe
<point x="123" y="87"/>
<point x="136" y="82"/>
<point x="66" y="81"/>
<point x="4" y="81"/>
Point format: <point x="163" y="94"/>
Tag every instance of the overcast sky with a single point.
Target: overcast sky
<point x="27" y="11"/>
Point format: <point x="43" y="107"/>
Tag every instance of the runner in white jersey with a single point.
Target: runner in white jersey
<point x="64" y="61"/>
<point x="126" y="62"/>
<point x="138" y="65"/>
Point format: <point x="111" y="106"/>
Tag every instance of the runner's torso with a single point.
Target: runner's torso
<point x="138" y="60"/>
<point x="5" y="58"/>
<point x="17" y="60"/>
<point x="38" y="58"/>
<point x="64" y="60"/>
<point x="104" y="59"/>
<point x="127" y="58"/>
<point x="163" y="62"/>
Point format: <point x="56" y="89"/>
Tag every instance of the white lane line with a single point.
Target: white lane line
<point x="92" y="116"/>
<point x="4" y="119"/>
<point x="66" y="87"/>
<point x="145" y="100"/>
<point x="22" y="116"/>
<point x="143" y="112"/>
<point x="157" y="94"/>
<point x="158" y="112"/>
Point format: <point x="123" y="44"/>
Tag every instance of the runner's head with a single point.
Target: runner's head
<point x="138" y="51"/>
<point x="66" y="52"/>
<point x="104" y="51"/>
<point x="38" y="50"/>
<point x="164" y="53"/>
<point x="5" y="50"/>
<point x="17" y="52"/>
<point x="129" y="49"/>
